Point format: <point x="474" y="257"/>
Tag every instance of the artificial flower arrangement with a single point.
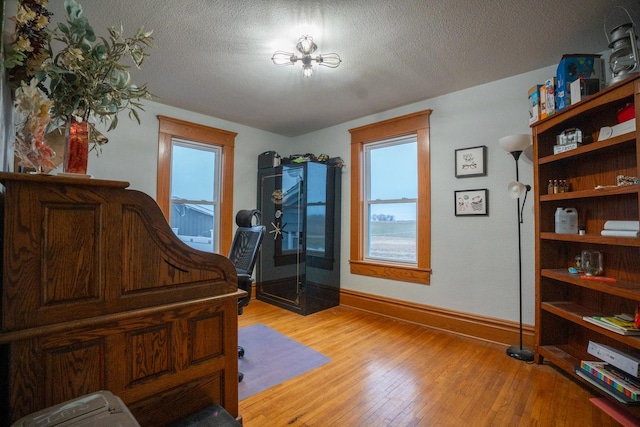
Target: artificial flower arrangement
<point x="83" y="78"/>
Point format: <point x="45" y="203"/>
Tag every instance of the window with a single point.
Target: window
<point x="390" y="203"/>
<point x="195" y="183"/>
<point x="391" y="200"/>
<point x="194" y="193"/>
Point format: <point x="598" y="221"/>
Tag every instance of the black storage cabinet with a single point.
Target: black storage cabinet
<point x="299" y="264"/>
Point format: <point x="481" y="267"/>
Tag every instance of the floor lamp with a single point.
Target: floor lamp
<point x="515" y="145"/>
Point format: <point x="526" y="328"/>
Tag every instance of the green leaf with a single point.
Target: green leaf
<point x="135" y="115"/>
<point x="73" y="8"/>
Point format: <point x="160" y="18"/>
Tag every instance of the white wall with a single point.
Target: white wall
<point x="474" y="259"/>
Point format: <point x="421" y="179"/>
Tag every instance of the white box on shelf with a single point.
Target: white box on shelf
<point x="607" y="132"/>
<point x="617" y="358"/>
<point x="574" y="90"/>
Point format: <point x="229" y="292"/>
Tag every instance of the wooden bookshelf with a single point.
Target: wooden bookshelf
<point x="562" y="299"/>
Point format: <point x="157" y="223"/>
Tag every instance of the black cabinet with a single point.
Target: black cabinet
<point x="299" y="264"/>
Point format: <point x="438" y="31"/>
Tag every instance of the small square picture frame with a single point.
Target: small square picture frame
<point x="471" y="161"/>
<point x="471" y="202"/>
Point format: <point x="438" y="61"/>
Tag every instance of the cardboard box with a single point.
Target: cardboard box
<point x="588" y="68"/>
<point x="575" y="91"/>
<point x="534" y="104"/>
<point x="543" y="101"/>
<point x="550" y="89"/>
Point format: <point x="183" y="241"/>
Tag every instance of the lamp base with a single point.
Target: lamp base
<point x="520" y="353"/>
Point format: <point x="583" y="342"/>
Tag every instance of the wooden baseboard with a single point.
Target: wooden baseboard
<point x="484" y="328"/>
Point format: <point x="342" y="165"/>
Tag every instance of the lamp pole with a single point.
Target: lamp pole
<point x="519" y="351"/>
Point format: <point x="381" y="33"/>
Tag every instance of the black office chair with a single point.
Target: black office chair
<point x="244" y="254"/>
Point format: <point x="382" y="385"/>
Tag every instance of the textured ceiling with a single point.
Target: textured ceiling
<point x="214" y="57"/>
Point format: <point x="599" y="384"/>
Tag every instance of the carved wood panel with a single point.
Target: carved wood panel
<point x="103" y="249"/>
<point x="74" y="371"/>
<point x="99" y="294"/>
<point x="134" y="357"/>
<point x="149" y="353"/>
<point x="71" y="252"/>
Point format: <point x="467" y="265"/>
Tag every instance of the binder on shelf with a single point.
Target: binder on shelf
<point x="615" y="357"/>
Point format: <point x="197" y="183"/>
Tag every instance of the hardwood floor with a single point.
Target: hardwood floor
<point x="385" y="372"/>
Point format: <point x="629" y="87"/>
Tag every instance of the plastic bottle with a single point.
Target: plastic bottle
<point x="566" y="221"/>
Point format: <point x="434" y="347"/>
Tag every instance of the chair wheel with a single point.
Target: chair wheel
<point x="240" y="377"/>
<point x="240" y="352"/>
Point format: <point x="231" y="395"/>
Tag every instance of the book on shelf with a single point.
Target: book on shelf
<point x="635" y="381"/>
<point x="602" y="371"/>
<point x="614" y="324"/>
<point x="595" y="381"/>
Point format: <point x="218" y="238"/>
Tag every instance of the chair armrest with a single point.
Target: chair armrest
<point x="245" y="281"/>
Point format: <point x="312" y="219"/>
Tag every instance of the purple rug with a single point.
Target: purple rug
<point x="271" y="358"/>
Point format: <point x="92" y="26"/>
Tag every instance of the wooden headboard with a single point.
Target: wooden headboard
<point x="99" y="294"/>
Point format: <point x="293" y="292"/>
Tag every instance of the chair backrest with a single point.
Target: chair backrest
<point x="245" y="246"/>
<point x="247" y="241"/>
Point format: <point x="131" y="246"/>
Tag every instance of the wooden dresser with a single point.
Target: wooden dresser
<point x="99" y="294"/>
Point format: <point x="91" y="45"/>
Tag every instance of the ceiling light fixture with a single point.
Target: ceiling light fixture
<point x="306" y="47"/>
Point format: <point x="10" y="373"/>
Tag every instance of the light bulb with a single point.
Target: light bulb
<point x="331" y="60"/>
<point x="306" y="45"/>
<point x="283" y="58"/>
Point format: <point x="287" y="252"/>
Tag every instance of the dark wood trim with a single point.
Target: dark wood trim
<point x="484" y="328"/>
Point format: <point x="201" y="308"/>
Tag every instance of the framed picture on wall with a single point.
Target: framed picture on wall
<point x="471" y="161"/>
<point x="471" y="202"/>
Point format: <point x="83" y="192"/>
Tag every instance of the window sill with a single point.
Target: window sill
<point x="390" y="271"/>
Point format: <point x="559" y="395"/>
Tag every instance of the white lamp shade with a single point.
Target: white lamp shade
<point x="513" y="143"/>
<point x="517" y="189"/>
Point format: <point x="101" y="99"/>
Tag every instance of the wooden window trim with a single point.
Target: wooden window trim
<point x="170" y="128"/>
<point x="417" y="124"/>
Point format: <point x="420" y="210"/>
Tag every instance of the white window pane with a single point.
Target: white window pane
<point x="392" y="232"/>
<point x="194" y="224"/>
<point x="393" y="171"/>
<point x="193" y="173"/>
<point x="195" y="182"/>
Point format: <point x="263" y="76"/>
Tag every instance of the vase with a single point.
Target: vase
<point x="76" y="150"/>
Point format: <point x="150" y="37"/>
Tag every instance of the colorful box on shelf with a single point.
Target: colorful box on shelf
<point x="549" y="103"/>
<point x="534" y="104"/>
<point x="587" y="68"/>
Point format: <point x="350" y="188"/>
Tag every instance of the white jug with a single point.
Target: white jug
<point x="566" y="221"/>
